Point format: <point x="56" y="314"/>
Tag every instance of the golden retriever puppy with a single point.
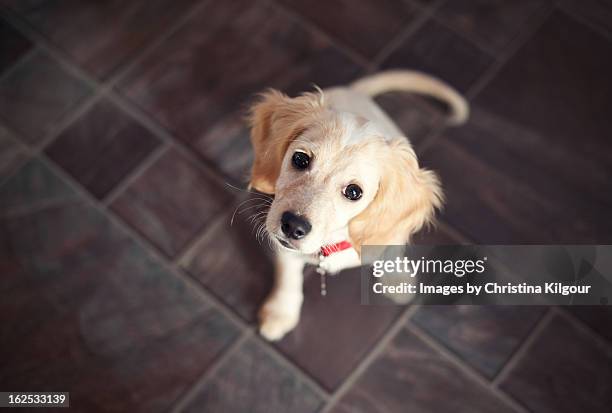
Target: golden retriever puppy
<point x="342" y="176"/>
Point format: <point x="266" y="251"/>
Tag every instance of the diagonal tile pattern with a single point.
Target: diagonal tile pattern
<point x="563" y="371"/>
<point x="101" y="312"/>
<point x="494" y="24"/>
<point x="411" y="376"/>
<point x="13" y="45"/>
<point x="253" y="45"/>
<point x="171" y="202"/>
<point x="556" y="86"/>
<point x="231" y="265"/>
<point x="102" y="147"/>
<point x="147" y="325"/>
<point x="335" y="330"/>
<point x="365" y="26"/>
<point x="35" y="96"/>
<point x="253" y="381"/>
<point x="101" y="36"/>
<point x="12" y="153"/>
<point x="439" y="51"/>
<point x="483" y="336"/>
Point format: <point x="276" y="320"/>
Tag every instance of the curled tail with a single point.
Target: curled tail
<point x="417" y="82"/>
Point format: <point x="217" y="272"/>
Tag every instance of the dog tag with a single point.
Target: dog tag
<point x="321" y="272"/>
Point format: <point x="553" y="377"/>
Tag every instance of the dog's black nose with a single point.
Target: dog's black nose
<point x="294" y="226"/>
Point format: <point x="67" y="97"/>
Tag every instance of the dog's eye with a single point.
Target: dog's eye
<point x="353" y="192"/>
<point x="300" y="160"/>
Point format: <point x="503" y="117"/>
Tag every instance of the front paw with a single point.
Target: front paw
<point x="278" y="316"/>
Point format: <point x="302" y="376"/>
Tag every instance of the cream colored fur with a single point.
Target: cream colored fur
<point x="350" y="141"/>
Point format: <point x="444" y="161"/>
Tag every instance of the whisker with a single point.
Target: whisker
<point x="245" y="190"/>
<point x="244" y="202"/>
<point x="257" y="216"/>
<point x="251" y="207"/>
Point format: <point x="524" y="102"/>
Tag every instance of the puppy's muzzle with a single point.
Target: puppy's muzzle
<point x="294" y="226"/>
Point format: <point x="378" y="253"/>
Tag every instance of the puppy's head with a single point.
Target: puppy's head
<point x="334" y="176"/>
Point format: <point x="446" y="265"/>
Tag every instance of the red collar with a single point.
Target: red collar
<point x="330" y="249"/>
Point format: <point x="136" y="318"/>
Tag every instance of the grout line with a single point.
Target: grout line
<point x="105" y="90"/>
<point x="193" y="389"/>
<point x="499" y="61"/>
<point x="365" y="362"/>
<point x="116" y="74"/>
<point x="576" y="16"/>
<point x="400" y="38"/>
<point x="314" y="28"/>
<point x="43" y="44"/>
<point x="525" y="35"/>
<point x="145" y="51"/>
<point x="201" y="163"/>
<point x="518" y="354"/>
<point x="284" y="360"/>
<point x="488" y="50"/>
<point x="21" y="147"/>
<point x="517" y="184"/>
<point x="583" y="327"/>
<point x="68" y="119"/>
<point x="465" y="369"/>
<point x="135" y="173"/>
<point x="182" y="255"/>
<point x="143" y="243"/>
<point x="173" y="269"/>
<point x="20" y="62"/>
<point x="432" y="137"/>
<point x="426" y="13"/>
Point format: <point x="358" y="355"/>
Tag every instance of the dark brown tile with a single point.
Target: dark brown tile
<point x="564" y="370"/>
<point x="32" y="188"/>
<point x="411" y="376"/>
<point x="596" y="12"/>
<point x="91" y="312"/>
<point x="230" y="262"/>
<point x="491" y="207"/>
<point x="434" y="235"/>
<point x="36" y="95"/>
<point x="13" y="45"/>
<point x="493" y="24"/>
<point x="12" y="153"/>
<point x="227" y="144"/>
<point x="171" y="202"/>
<point x="557" y="85"/>
<point x="253" y="45"/>
<point x="336" y="331"/>
<point x="502" y="144"/>
<point x="252" y="380"/>
<point x="417" y="117"/>
<point x="101" y="36"/>
<point x="484" y="336"/>
<point x="598" y="318"/>
<point x="101" y="147"/>
<point x="364" y="26"/>
<point x="579" y="194"/>
<point x="436" y="50"/>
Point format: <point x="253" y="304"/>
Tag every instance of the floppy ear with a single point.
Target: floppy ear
<point x="407" y="199"/>
<point x="276" y="120"/>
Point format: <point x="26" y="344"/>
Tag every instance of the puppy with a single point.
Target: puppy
<point x="342" y="175"/>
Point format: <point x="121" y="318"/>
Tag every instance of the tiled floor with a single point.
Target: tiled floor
<point x="126" y="281"/>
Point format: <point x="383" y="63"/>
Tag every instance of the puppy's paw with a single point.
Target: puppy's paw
<point x="278" y="316"/>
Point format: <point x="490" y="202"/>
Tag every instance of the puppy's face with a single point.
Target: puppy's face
<point x="329" y="174"/>
<point x="335" y="177"/>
